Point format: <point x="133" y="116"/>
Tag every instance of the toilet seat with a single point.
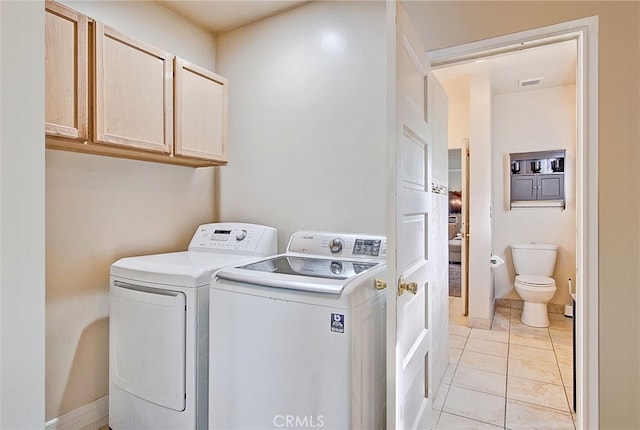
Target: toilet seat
<point x="538" y="281"/>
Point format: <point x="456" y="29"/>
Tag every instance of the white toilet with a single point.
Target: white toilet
<point x="534" y="264"/>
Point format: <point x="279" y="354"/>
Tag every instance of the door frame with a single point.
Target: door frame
<point x="585" y="32"/>
<point x="464" y="254"/>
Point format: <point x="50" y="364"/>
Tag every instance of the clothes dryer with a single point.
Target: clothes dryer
<point x="159" y="332"/>
<point x="298" y="340"/>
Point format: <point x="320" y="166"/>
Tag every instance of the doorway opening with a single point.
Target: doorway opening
<point x="458" y="226"/>
<point x="581" y="35"/>
<point x="524" y="117"/>
<point x="455" y="223"/>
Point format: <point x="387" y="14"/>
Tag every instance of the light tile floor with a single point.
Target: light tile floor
<point x="510" y="377"/>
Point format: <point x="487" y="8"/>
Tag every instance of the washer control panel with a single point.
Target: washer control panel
<point x="338" y="244"/>
<point x="370" y="247"/>
<point x="236" y="237"/>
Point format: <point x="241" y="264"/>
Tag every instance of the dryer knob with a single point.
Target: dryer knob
<point x="241" y="235"/>
<point x="336" y="245"/>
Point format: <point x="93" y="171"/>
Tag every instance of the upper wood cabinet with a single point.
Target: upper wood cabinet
<point x="137" y="107"/>
<point x="66" y="66"/>
<point x="133" y="92"/>
<point x="200" y="112"/>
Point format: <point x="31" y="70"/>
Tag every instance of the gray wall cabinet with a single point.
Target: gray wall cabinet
<point x="537" y="178"/>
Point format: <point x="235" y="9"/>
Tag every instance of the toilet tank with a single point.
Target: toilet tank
<point x="534" y="258"/>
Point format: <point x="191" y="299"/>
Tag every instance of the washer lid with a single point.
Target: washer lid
<point x="311" y="267"/>
<point x="320" y="275"/>
<point x="539" y="280"/>
<point x="181" y="269"/>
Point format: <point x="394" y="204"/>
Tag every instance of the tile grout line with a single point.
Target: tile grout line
<point x="564" y="387"/>
<point x="455" y="370"/>
<point x="506" y="379"/>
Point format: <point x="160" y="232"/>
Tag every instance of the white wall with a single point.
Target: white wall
<point x="153" y="24"/>
<point x="481" y="292"/>
<point x="534" y="121"/>
<point x="22" y="253"/>
<point x="307" y="127"/>
<point x="455" y="170"/>
<point x="99" y="209"/>
<point x="458" y="124"/>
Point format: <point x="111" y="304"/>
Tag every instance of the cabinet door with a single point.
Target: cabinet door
<point x="551" y="187"/>
<point x="148" y="343"/>
<point x="66" y="72"/>
<point x="523" y="187"/>
<point x="200" y="113"/>
<point x="133" y="93"/>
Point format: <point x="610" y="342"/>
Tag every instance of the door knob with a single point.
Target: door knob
<point x="407" y="286"/>
<point x="380" y="284"/>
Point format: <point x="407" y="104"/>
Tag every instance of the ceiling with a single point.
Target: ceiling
<point x="219" y="16"/>
<point x="555" y="63"/>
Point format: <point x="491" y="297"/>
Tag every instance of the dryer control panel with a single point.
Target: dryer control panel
<point x="236" y="237"/>
<point x="339" y="245"/>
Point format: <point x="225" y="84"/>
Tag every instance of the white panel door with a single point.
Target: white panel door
<point x="409" y="333"/>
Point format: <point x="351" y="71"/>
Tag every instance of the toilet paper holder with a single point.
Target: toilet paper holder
<point x="495" y="261"/>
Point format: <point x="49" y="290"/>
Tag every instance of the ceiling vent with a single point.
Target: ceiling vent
<point x="524" y="83"/>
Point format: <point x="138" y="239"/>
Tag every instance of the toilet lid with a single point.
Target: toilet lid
<point x="535" y="280"/>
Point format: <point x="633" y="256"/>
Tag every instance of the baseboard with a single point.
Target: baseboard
<point x="509" y="303"/>
<point x="475" y="322"/>
<point x="92" y="416"/>
<point x="553" y="308"/>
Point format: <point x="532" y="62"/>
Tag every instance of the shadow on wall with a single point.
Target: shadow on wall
<point x="90" y="367"/>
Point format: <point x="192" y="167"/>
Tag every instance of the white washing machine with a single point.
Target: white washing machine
<point x="159" y="328"/>
<point x="298" y="340"/>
